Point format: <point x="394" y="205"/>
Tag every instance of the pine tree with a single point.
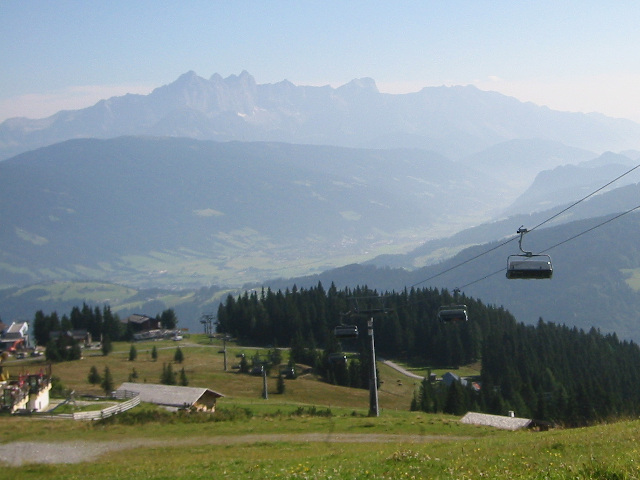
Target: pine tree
<point x="281" y="385"/>
<point x="107" y="347"/>
<point x="244" y="365"/>
<point x="107" y="381"/>
<point x="414" y="402"/>
<point x="133" y="353"/>
<point x="168" y="376"/>
<point x="178" y="357"/>
<point x="75" y="353"/>
<point x="51" y="352"/>
<point x="183" y="378"/>
<point x="94" y="377"/>
<point x="110" y="324"/>
<point x="154" y="353"/>
<point x="168" y="319"/>
<point x="455" y="403"/>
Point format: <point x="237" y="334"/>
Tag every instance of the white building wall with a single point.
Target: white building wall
<point x="39" y="401"/>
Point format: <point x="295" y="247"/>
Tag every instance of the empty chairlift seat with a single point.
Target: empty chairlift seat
<point x="453" y="313"/>
<point x="346" y="331"/>
<point x="529" y="267"/>
<point x="337" y="358"/>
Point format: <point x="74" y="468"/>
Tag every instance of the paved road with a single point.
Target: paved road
<point x="402" y="370"/>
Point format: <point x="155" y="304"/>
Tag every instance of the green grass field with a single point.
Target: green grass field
<point x="312" y="431"/>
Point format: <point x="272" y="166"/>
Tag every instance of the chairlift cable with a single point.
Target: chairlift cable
<point x="609" y="220"/>
<point x="584" y="198"/>
<point x="464" y="262"/>
<point x="593" y="228"/>
<point x="478" y="280"/>
<point x="505" y="242"/>
<point x="529" y="230"/>
<point x="483" y="278"/>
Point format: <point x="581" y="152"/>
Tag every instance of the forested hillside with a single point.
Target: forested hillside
<point x="595" y="281"/>
<point x="547" y="371"/>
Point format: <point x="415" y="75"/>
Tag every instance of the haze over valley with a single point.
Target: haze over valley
<point x="226" y="183"/>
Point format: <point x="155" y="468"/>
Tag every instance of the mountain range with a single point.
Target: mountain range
<point x="455" y="121"/>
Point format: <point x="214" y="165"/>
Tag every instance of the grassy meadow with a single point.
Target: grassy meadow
<point x="312" y="431"/>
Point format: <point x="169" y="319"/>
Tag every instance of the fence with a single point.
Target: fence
<point x="134" y="400"/>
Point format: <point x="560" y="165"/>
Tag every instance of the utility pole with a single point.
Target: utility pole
<point x="265" y="393"/>
<point x="224" y="342"/>
<point x="374" y="409"/>
<point x="373" y="376"/>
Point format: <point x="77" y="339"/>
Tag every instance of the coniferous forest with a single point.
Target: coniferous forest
<point x="545" y="371"/>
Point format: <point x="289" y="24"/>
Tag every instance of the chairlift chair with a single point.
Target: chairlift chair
<point x="346" y="331"/>
<point x="453" y="313"/>
<point x="527" y="265"/>
<point x="337" y="358"/>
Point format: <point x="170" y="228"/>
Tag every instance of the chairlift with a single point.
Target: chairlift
<point x="453" y="313"/>
<point x="337" y="358"/>
<point x="346" y="331"/>
<point x="527" y="265"/>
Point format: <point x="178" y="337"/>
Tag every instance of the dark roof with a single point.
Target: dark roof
<point x="70" y="333"/>
<point x="137" y="318"/>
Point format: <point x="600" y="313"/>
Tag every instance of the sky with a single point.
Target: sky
<point x="579" y="56"/>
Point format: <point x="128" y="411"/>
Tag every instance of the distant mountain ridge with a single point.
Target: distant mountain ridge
<point x="453" y="121"/>
<point x="566" y="184"/>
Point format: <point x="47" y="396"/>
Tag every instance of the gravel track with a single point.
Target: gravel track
<point x="21" y="453"/>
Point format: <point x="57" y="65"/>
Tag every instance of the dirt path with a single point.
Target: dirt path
<point x="21" y="453"/>
<point x="402" y="370"/>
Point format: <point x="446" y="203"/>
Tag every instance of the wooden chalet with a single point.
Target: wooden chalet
<point x="140" y="323"/>
<point x="81" y="336"/>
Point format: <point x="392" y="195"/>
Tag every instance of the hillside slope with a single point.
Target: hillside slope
<point x="178" y="212"/>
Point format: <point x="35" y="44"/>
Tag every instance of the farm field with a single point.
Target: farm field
<point x="312" y="431"/>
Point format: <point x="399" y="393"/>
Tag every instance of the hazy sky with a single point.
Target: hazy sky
<point x="569" y="55"/>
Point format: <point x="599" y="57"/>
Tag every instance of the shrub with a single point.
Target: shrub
<point x="58" y="390"/>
